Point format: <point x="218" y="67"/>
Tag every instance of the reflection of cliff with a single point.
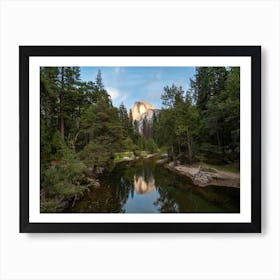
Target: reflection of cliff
<point x="143" y="187"/>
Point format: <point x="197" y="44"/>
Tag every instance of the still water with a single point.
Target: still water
<point x="145" y="187"/>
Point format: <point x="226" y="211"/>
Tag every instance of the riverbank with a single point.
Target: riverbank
<point x="130" y="156"/>
<point x="143" y="186"/>
<point x="203" y="175"/>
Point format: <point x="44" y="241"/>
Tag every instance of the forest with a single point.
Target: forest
<point x="83" y="135"/>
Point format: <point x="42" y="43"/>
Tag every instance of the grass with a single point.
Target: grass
<point x="120" y="156"/>
<point x="225" y="167"/>
<point x="50" y="205"/>
<point x="143" y="153"/>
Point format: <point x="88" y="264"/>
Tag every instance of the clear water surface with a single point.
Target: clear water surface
<point x="144" y="187"/>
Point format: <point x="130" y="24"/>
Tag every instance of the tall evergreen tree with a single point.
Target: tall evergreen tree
<point x="171" y="95"/>
<point x="125" y="121"/>
<point x="68" y="78"/>
<point x="212" y="94"/>
<point x="99" y="82"/>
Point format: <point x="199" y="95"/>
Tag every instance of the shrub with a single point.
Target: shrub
<point x="151" y="146"/>
<point x="128" y="144"/>
<point x="95" y="155"/>
<point x="62" y="181"/>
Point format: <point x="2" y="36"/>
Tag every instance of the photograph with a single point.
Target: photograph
<point x="139" y="139"/>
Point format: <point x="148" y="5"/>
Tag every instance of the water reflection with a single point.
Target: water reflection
<point x="144" y="187"/>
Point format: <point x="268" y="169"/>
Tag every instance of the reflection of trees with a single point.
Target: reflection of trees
<point x="121" y="184"/>
<point x="175" y="194"/>
<point x="122" y="180"/>
<point x="101" y="200"/>
<point x="144" y="177"/>
<point x="165" y="203"/>
<point x="225" y="198"/>
<point x="179" y="194"/>
<point x="112" y="195"/>
<point x="130" y="177"/>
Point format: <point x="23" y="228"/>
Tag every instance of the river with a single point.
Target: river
<point x="144" y="187"/>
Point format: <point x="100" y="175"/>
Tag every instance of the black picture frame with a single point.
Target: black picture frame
<point x="25" y="52"/>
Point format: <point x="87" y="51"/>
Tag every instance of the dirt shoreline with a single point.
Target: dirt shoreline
<point x="204" y="176"/>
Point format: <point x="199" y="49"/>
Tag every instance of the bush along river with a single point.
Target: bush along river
<point x="143" y="186"/>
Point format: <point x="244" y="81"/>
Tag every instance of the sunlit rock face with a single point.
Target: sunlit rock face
<point x="143" y="110"/>
<point x="139" y="108"/>
<point x="143" y="187"/>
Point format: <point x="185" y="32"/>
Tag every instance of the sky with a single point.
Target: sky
<point x="131" y="84"/>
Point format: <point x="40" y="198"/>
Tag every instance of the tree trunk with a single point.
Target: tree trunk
<point x="61" y="104"/>
<point x="179" y="148"/>
<point x="61" y="123"/>
<point x="190" y="151"/>
<point x="218" y="140"/>
<point x="189" y="147"/>
<point x="172" y="153"/>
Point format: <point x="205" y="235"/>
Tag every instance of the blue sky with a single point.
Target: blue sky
<point x="130" y="84"/>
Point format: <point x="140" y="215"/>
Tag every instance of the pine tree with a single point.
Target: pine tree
<point x="172" y="95"/>
<point x="216" y="91"/>
<point x="124" y="119"/>
<point x="99" y="82"/>
<point x="68" y="78"/>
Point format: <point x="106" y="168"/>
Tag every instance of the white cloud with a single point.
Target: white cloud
<point x="116" y="96"/>
<point x="114" y="93"/>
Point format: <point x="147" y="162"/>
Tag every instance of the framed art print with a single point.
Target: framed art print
<point x="140" y="138"/>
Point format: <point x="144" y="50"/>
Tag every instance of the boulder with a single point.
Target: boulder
<point x="202" y="179"/>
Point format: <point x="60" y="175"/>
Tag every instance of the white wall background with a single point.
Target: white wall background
<point x="138" y="256"/>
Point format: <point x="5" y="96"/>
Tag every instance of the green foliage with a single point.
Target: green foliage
<point x="128" y="144"/>
<point x="137" y="153"/>
<point x="63" y="180"/>
<point x="95" y="154"/>
<point x="126" y="121"/>
<point x="151" y="146"/>
<point x="163" y="132"/>
<point x="59" y="148"/>
<point x="78" y="118"/>
<point x="141" y="143"/>
<point x="227" y="167"/>
<point x="203" y="123"/>
<point x="208" y="82"/>
<point x="220" y="118"/>
<point x="99" y="81"/>
<point x="50" y="205"/>
<point x="180" y="119"/>
<point x="120" y="156"/>
<point x="75" y="117"/>
<point x="172" y="95"/>
<point x="45" y="144"/>
<point x="72" y="167"/>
